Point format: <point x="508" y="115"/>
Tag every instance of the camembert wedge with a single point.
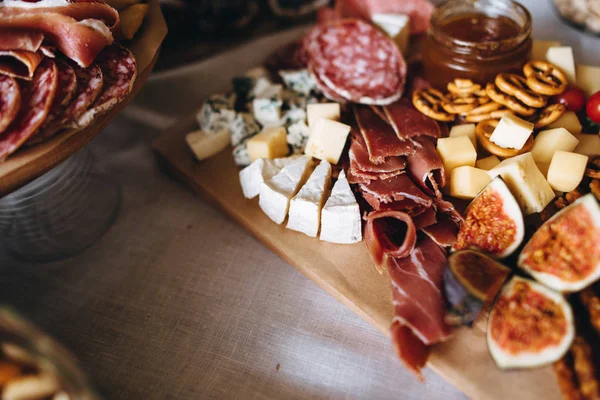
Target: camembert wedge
<point x="276" y="193"/>
<point x="261" y="170"/>
<point x="305" y="207"/>
<point x="340" y="218"/>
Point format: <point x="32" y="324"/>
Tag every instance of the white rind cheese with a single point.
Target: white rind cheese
<point x="305" y="207"/>
<point x="340" y="217"/>
<point x="205" y="146"/>
<point x="276" y="193"/>
<point x="261" y="170"/>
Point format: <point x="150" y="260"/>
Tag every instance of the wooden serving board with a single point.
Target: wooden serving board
<point x="347" y="273"/>
<point x="29" y="163"/>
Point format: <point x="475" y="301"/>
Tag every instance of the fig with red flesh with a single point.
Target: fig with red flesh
<point x="471" y="283"/>
<point x="564" y="253"/>
<point x="529" y="325"/>
<point x="493" y="222"/>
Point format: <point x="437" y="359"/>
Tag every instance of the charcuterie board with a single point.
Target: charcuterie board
<point x="30" y="163"/>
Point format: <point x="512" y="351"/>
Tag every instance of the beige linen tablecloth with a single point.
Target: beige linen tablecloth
<point x="178" y="302"/>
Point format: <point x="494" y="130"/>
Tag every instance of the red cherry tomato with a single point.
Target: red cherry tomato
<point x="593" y="108"/>
<point x="573" y="98"/>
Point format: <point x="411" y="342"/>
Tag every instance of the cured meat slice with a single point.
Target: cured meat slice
<point x="37" y="98"/>
<point x="21" y="40"/>
<point x="10" y="100"/>
<point x="444" y="232"/>
<point x="397" y="188"/>
<point x="425" y="166"/>
<point x="412" y="351"/>
<point x="417" y="291"/>
<point x="19" y="64"/>
<point x="335" y="50"/>
<point x="119" y="70"/>
<point x="330" y="94"/>
<point x="389" y="234"/>
<point x="426" y="218"/>
<point x="408" y="122"/>
<point x="360" y="162"/>
<point x="380" y="139"/>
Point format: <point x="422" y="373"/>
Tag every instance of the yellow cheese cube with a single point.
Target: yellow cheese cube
<point x="465" y="130"/>
<point x="588" y="78"/>
<point x="207" y="145"/>
<point x="512" y="132"/>
<point x="563" y="58"/>
<point x="540" y="48"/>
<point x="327" y="140"/>
<point x="466" y="182"/>
<point x="487" y="163"/>
<point x="589" y="145"/>
<point x="271" y="143"/>
<point x="569" y="121"/>
<point x="566" y="170"/>
<point x="456" y="152"/>
<point x="397" y="26"/>
<point x="526" y="182"/>
<point x="324" y="110"/>
<point x="550" y="141"/>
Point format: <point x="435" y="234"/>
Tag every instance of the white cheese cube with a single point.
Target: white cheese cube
<point x="456" y="152"/>
<point x="205" y="146"/>
<point x="397" y="26"/>
<point x="563" y="58"/>
<point x="240" y="154"/>
<point x="540" y="48"/>
<point x="588" y="78"/>
<point x="305" y="207"/>
<point x="264" y="88"/>
<point x="526" y="182"/>
<point x="327" y="140"/>
<point x="300" y="81"/>
<point x="487" y="163"/>
<point x="270" y="143"/>
<point x="550" y="141"/>
<point x="589" y="145"/>
<point x="340" y="218"/>
<point x="216" y="113"/>
<point x="512" y="132"/>
<point x="267" y="111"/>
<point x="275" y="194"/>
<point x="242" y="127"/>
<point x="465" y="130"/>
<point x="569" y="121"/>
<point x="466" y="182"/>
<point x="324" y="110"/>
<point x="297" y="136"/>
<point x="566" y="170"/>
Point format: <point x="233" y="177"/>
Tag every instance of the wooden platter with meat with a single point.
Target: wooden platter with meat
<point x="68" y="78"/>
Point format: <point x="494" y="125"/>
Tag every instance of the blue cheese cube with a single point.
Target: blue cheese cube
<point x="267" y="111"/>
<point x="243" y="127"/>
<point x="300" y="81"/>
<point x="240" y="154"/>
<point x="297" y="136"/>
<point x="216" y="113"/>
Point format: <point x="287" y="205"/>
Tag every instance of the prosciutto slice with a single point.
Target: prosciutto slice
<point x="389" y="234"/>
<point x="393" y="189"/>
<point x="445" y="231"/>
<point x="21" y="40"/>
<point x="425" y="167"/>
<point x="363" y="170"/>
<point x="19" y="64"/>
<point x="379" y="136"/>
<point x="408" y="122"/>
<point x="413" y="352"/>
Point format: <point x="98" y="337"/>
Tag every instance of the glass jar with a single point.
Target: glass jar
<point x="476" y="40"/>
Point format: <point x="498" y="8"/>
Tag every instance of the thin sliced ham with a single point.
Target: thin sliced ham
<point x="413" y="352"/>
<point x="363" y="170"/>
<point x="425" y="166"/>
<point x="389" y="234"/>
<point x="380" y="138"/>
<point x="397" y="188"/>
<point x="427" y="217"/>
<point x="408" y="122"/>
<point x="445" y="231"/>
<point x="21" y="40"/>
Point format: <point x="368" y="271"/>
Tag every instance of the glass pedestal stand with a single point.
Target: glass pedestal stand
<point x="61" y="213"/>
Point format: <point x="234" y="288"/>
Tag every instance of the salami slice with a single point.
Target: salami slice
<point x="37" y="97"/>
<point x="10" y="100"/>
<point x="357" y="62"/>
<point x="119" y="70"/>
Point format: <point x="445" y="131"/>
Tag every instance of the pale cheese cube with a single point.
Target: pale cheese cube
<point x="456" y="152"/>
<point x="327" y="140"/>
<point x="543" y="167"/>
<point x="465" y="130"/>
<point x="205" y="146"/>
<point x="569" y="121"/>
<point x="324" y="110"/>
<point x="264" y="88"/>
<point x="589" y="145"/>
<point x="550" y="141"/>
<point x="270" y="143"/>
<point x="487" y="163"/>
<point x="275" y="194"/>
<point x="305" y="207"/>
<point x="396" y="26"/>
<point x="588" y="78"/>
<point x="512" y="132"/>
<point x="340" y="219"/>
<point x="566" y="170"/>
<point x="540" y="48"/>
<point x="525" y="181"/>
<point x="466" y="182"/>
<point x="563" y="58"/>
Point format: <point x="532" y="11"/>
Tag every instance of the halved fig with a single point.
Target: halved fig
<point x="564" y="253"/>
<point x="471" y="283"/>
<point x="529" y="325"/>
<point x="493" y="222"/>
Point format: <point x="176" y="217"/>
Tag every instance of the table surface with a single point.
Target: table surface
<point x="178" y="302"/>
